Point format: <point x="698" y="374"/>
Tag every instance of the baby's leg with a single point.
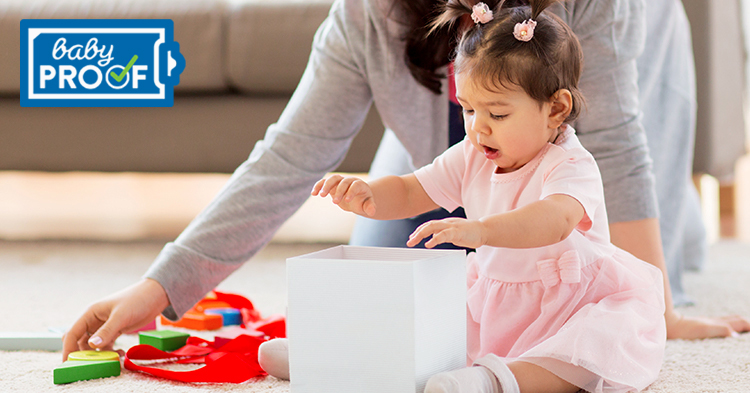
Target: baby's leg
<point x="491" y="375"/>
<point x="532" y="378"/>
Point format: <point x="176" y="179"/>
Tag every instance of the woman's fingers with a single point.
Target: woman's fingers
<point x="78" y="336"/>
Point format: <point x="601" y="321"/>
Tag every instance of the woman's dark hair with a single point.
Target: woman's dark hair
<point x="426" y="53"/>
<point x="550" y="61"/>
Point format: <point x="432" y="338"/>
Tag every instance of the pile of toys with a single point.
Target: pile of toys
<point x="231" y="357"/>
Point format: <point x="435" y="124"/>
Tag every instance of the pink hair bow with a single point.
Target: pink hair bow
<point x="481" y="13"/>
<point x="524" y="31"/>
<point x="567" y="269"/>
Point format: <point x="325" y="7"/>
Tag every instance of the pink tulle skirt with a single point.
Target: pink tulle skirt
<point x="598" y="325"/>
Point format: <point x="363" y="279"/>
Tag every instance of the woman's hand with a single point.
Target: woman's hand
<point x="459" y="231"/>
<point x="122" y="312"/>
<point x="689" y="328"/>
<point x="349" y="193"/>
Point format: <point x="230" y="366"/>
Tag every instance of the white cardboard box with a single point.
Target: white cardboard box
<point x="375" y="320"/>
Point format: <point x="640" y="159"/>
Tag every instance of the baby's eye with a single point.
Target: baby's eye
<point x="467" y="111"/>
<point x="498" y="117"/>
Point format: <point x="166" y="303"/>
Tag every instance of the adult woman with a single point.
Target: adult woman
<point x="358" y="58"/>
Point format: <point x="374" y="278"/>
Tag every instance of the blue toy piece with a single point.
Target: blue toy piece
<point x="231" y="316"/>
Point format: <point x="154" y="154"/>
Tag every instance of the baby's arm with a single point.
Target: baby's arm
<point x="537" y="224"/>
<point x="385" y="198"/>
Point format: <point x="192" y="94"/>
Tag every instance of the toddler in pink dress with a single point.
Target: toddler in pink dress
<point x="552" y="304"/>
<point x="580" y="308"/>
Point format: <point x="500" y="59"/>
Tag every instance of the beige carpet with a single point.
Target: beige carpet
<point x="48" y="284"/>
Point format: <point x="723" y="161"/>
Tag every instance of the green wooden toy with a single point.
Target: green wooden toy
<point x="77" y="370"/>
<point x="166" y="340"/>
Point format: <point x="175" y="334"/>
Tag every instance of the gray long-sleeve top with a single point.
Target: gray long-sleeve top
<point x="357" y="59"/>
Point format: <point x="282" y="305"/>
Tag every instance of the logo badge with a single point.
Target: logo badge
<point x="99" y="63"/>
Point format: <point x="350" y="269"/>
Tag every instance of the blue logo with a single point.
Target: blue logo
<point x="99" y="63"/>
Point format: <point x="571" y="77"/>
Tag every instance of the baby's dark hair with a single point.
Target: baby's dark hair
<point x="550" y="61"/>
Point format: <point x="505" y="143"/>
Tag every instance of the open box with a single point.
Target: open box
<point x="369" y="319"/>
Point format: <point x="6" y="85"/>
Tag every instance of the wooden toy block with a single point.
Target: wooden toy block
<point x="196" y="321"/>
<point x="165" y="340"/>
<point x="75" y="370"/>
<point x="231" y="316"/>
<point x="204" y="305"/>
<point x="30" y="341"/>
<point x="93" y="355"/>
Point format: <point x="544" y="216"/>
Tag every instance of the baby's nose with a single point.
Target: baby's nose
<point x="481" y="127"/>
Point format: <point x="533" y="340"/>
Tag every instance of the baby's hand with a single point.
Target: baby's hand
<point x="349" y="193"/>
<point x="459" y="231"/>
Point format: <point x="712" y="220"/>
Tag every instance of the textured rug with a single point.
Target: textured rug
<point x="48" y="284"/>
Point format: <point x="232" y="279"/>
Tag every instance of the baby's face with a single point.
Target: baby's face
<point x="506" y="125"/>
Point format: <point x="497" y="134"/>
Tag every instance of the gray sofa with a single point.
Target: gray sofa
<point x="243" y="60"/>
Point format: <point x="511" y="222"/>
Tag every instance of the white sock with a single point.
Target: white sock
<point x="500" y="370"/>
<point x="477" y="379"/>
<point x="273" y="357"/>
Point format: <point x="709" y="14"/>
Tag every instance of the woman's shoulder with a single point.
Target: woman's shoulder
<point x="379" y="14"/>
<point x="583" y="16"/>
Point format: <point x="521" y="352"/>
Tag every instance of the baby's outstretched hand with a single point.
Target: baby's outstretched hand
<point x="459" y="231"/>
<point x="349" y="193"/>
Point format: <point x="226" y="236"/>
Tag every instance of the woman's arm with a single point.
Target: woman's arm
<point x="612" y="34"/>
<point x="310" y="138"/>
<point x="537" y="224"/>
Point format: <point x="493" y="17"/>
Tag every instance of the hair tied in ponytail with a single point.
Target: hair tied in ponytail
<point x="481" y="13"/>
<point x="524" y="31"/>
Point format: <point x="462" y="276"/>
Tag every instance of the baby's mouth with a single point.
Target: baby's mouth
<point x="490" y="153"/>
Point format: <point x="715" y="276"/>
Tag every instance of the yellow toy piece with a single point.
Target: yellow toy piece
<point x="93" y="355"/>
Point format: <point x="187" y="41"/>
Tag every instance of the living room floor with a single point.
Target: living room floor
<point x="49" y="283"/>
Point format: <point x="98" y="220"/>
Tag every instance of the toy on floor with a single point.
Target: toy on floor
<point x="165" y="340"/>
<point x="216" y="310"/>
<point x="194" y="320"/>
<point x="93" y="355"/>
<point x="85" y="365"/>
<point x="30" y="341"/>
<point x="230" y="316"/>
<point x="232" y="356"/>
<point x="233" y="332"/>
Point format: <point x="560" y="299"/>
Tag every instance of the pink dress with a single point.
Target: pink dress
<point x="581" y="308"/>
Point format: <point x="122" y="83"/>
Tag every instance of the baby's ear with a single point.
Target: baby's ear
<point x="561" y="104"/>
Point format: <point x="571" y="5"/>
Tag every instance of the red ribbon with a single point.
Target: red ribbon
<point x="247" y="310"/>
<point x="235" y="362"/>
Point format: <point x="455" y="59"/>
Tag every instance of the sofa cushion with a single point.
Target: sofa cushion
<point x="201" y="133"/>
<point x="269" y="41"/>
<point x="198" y="27"/>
